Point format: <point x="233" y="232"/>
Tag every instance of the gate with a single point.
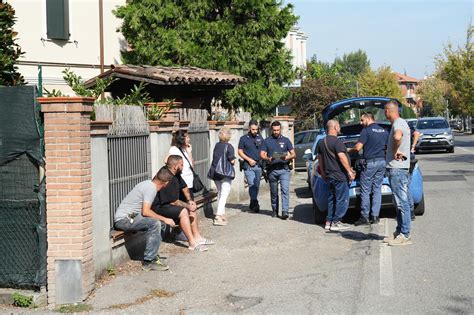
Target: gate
<point x="22" y="190"/>
<point x="199" y="135"/>
<point x="129" y="164"/>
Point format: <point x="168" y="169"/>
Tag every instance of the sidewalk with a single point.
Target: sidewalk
<point x="253" y="249"/>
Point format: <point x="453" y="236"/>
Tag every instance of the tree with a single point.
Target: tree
<point x="456" y="67"/>
<point x="383" y="82"/>
<point x="324" y="84"/>
<point x="434" y="91"/>
<point x="241" y="37"/>
<point x="9" y="49"/>
<point x="353" y="63"/>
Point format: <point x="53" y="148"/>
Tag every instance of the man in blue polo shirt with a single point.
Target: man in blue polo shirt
<point x="373" y="139"/>
<point x="249" y="150"/>
<point x="278" y="151"/>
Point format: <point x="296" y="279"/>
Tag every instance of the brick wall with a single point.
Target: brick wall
<point x="68" y="191"/>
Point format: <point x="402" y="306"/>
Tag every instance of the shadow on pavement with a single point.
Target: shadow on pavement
<point x="303" y="192"/>
<point x="463" y="305"/>
<point x="361" y="236"/>
<point x="304" y="214"/>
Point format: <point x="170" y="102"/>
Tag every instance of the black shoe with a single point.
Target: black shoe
<point x="362" y="221"/>
<point x="375" y="220"/>
<point x="274" y="214"/>
<point x="257" y="207"/>
<point x="284" y="215"/>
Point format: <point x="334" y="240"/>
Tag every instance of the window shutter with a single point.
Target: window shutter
<point x="57" y="19"/>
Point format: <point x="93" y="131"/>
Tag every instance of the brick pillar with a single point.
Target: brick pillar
<point x="68" y="198"/>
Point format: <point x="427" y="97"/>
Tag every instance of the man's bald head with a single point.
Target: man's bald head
<point x="333" y="127"/>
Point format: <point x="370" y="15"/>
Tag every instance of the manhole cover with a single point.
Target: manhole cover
<point x="443" y="178"/>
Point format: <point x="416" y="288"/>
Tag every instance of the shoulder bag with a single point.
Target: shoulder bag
<point x="197" y="183"/>
<point x="224" y="168"/>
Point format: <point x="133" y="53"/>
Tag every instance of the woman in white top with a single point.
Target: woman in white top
<point x="180" y="146"/>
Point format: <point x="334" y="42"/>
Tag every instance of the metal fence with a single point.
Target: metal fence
<point x="129" y="164"/>
<point x="199" y="135"/>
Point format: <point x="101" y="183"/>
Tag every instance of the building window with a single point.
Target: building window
<point x="57" y="19"/>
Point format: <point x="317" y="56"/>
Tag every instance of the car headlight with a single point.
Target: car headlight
<point x="446" y="133"/>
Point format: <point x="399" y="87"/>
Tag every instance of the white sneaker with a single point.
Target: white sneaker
<point x="327" y="227"/>
<point x="339" y="226"/>
<point x="400" y="240"/>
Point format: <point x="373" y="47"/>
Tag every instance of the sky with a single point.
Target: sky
<point x="405" y="35"/>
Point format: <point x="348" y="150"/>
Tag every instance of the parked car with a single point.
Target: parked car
<point x="348" y="112"/>
<point x="412" y="123"/>
<point x="455" y="124"/>
<point x="435" y="135"/>
<point x="303" y="140"/>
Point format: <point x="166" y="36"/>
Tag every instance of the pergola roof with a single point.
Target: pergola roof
<point x="170" y="75"/>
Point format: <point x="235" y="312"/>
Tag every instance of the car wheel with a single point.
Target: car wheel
<point x="451" y="150"/>
<point x="319" y="216"/>
<point x="420" y="207"/>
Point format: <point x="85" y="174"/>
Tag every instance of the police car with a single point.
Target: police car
<point x="348" y="113"/>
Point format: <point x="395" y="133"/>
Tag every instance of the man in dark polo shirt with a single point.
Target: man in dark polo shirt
<point x="249" y="150"/>
<point x="168" y="205"/>
<point x="336" y="169"/>
<point x="373" y="139"/>
<point x="278" y="151"/>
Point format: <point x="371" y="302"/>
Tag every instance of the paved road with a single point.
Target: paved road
<point x="266" y="265"/>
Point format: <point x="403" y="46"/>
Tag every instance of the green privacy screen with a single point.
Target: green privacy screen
<point x="22" y="192"/>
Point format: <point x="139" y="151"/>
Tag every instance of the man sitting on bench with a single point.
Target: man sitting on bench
<point x="135" y="214"/>
<point x="167" y="204"/>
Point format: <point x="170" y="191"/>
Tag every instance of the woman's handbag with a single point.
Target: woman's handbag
<point x="224" y="168"/>
<point x="197" y="183"/>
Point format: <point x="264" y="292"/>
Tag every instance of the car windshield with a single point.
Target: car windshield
<point x="411" y="124"/>
<point x="432" y="124"/>
<point x="352" y="115"/>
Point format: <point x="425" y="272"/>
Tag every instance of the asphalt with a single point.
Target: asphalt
<point x="266" y="265"/>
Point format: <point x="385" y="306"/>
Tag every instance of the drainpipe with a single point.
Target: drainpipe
<point x="101" y="39"/>
<point x="101" y="35"/>
<point x="40" y="80"/>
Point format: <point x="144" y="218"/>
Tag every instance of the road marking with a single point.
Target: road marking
<point x="386" y="271"/>
<point x="464" y="149"/>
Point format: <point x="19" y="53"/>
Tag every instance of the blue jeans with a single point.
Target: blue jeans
<point x="399" y="179"/>
<point x="152" y="228"/>
<point x="253" y="175"/>
<point x="282" y="176"/>
<point x="338" y="201"/>
<point x="371" y="179"/>
<point x="410" y="197"/>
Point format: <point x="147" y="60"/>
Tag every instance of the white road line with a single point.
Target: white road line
<point x="464" y="149"/>
<point x="386" y="271"/>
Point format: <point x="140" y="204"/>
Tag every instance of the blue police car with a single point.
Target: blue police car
<point x="348" y="113"/>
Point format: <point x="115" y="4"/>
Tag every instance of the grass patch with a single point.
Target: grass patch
<point x="74" y="308"/>
<point x="111" y="270"/>
<point x="21" y="300"/>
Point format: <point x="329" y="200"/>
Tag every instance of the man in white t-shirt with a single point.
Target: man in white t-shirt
<point x="398" y="165"/>
<point x="135" y="214"/>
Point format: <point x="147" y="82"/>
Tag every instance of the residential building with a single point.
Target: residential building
<point x="295" y="41"/>
<point x="408" y="86"/>
<point x="66" y="34"/>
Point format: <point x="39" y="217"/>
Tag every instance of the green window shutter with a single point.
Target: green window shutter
<point x="57" y="19"/>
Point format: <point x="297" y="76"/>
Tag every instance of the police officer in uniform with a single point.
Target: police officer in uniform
<point x="249" y="151"/>
<point x="278" y="151"/>
<point x="373" y="139"/>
